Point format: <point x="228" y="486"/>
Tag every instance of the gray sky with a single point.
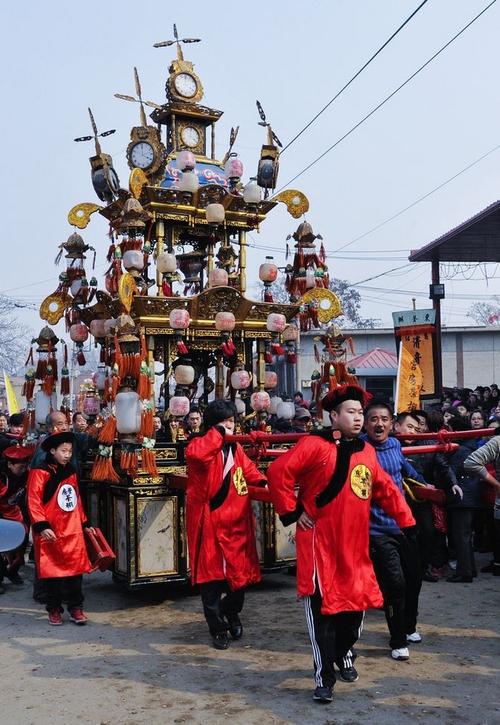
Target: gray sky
<point x="60" y="57"/>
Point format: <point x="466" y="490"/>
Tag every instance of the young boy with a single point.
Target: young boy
<point x="220" y="524"/>
<point x="58" y="520"/>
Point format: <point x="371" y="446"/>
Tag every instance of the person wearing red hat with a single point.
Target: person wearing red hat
<point x="13" y="477"/>
<point x="58" y="519"/>
<point x="337" y="476"/>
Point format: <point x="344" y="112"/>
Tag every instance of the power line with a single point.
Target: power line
<point x="339" y="93"/>
<point x="388" y="98"/>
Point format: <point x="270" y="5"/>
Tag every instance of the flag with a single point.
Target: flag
<point x="409" y="382"/>
<point x="12" y="404"/>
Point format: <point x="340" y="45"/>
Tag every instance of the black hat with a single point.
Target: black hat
<point x="217" y="411"/>
<point x="56" y="439"/>
<point x="342" y="393"/>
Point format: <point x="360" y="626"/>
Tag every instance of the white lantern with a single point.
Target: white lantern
<point x="186" y="160"/>
<point x="184" y="374"/>
<point x="97" y="328"/>
<point x="189" y="182"/>
<point x="225" y="321"/>
<point x="133" y="260"/>
<point x="218" y="277"/>
<point x="260" y="400"/>
<point x="76" y="286"/>
<point x="109" y="326"/>
<point x="215" y="213"/>
<point x="99" y="378"/>
<point x="270" y="379"/>
<point x="251" y="193"/>
<point x="166" y="263"/>
<point x="286" y="410"/>
<point x="275" y="401"/>
<point x="310" y="280"/>
<point x="43" y="405"/>
<point x="128" y="412"/>
<point x="240" y="379"/>
<point x="240" y="406"/>
<point x="276" y="322"/>
<point x="179" y="319"/>
<point x="178" y="406"/>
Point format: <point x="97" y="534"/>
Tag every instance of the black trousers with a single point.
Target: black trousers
<point x="461" y="529"/>
<point x="332" y="636"/>
<point x="496" y="542"/>
<point x="397" y="568"/>
<point x="425" y="532"/>
<point x="65" y="588"/>
<point x="215" y="607"/>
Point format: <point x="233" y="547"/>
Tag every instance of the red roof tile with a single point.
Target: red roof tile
<point x="376" y="358"/>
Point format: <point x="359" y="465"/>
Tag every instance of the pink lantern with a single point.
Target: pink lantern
<point x="233" y="168"/>
<point x="186" y="160"/>
<point x="276" y="322"/>
<point x="178" y="406"/>
<point x="97" y="328"/>
<point x="99" y="378"/>
<point x="240" y="379"/>
<point x="189" y="182"/>
<point x="179" y="319"/>
<point x="290" y="333"/>
<point x="268" y="271"/>
<point x="91" y="405"/>
<point x="78" y="332"/>
<point x="218" y="277"/>
<point x="184" y="374"/>
<point x="225" y="321"/>
<point x="270" y="379"/>
<point x="260" y="400"/>
<point x="109" y="326"/>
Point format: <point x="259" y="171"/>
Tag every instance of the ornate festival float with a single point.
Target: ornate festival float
<point x="175" y="310"/>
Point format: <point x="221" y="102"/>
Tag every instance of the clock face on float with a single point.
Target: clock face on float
<point x="185" y="85"/>
<point x="142" y="155"/>
<point x="190" y="136"/>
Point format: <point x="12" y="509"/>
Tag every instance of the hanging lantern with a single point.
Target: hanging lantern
<point x="97" y="328"/>
<point x="310" y="279"/>
<point x="290" y="333"/>
<point x="276" y="322"/>
<point x="218" y="277"/>
<point x="91" y="405"/>
<point x="186" y="160"/>
<point x="240" y="379"/>
<point x="179" y="406"/>
<point x="215" y="214"/>
<point x="240" y="406"/>
<point x="286" y="410"/>
<point x="270" y="379"/>
<point x="133" y="261"/>
<point x="79" y="332"/>
<point x="275" y="401"/>
<point x="260" y="400"/>
<point x="99" y="378"/>
<point x="233" y="169"/>
<point x="179" y="319"/>
<point x="128" y="412"/>
<point x="268" y="271"/>
<point x="166" y="263"/>
<point x="189" y="182"/>
<point x="251" y="192"/>
<point x="76" y="287"/>
<point x="225" y="321"/>
<point x="184" y="374"/>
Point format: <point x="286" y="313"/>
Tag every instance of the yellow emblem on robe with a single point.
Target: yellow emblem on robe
<point x="239" y="482"/>
<point x="361" y="481"/>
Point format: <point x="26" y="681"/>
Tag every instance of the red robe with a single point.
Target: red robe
<point x="221" y="541"/>
<point x="63" y="512"/>
<point x="335" y="552"/>
<point x="9" y="510"/>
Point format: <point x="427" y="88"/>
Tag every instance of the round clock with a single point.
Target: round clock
<point x="185" y="85"/>
<point x="190" y="136"/>
<point x="142" y="155"/>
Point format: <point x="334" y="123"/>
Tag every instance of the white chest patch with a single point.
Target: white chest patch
<point x="67" y="498"/>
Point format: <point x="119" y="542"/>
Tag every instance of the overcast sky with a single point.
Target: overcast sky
<point x="60" y="57"/>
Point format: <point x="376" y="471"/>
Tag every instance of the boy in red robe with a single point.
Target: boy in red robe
<point x="58" y="520"/>
<point x="221" y="480"/>
<point x="337" y="477"/>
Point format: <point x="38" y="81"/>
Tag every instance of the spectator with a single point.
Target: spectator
<point x="298" y="399"/>
<point x="80" y="423"/>
<point x="4" y="423"/>
<point x="12" y="436"/>
<point x="302" y="420"/>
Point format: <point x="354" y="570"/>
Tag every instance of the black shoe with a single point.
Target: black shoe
<point x="459" y="579"/>
<point x="14" y="577"/>
<point x="323" y="695"/>
<point x="348" y="674"/>
<point x="235" y="626"/>
<point x="220" y="640"/>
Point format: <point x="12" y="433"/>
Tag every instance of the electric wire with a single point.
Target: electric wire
<point x="346" y="86"/>
<point x="388" y="98"/>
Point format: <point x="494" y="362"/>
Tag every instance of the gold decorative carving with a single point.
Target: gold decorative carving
<point x="136" y="182"/>
<point x="145" y="480"/>
<point x="328" y="304"/>
<point x="127" y="288"/>
<point x="166" y="454"/>
<point x="296" y="202"/>
<point x="79" y="215"/>
<point x="53" y="306"/>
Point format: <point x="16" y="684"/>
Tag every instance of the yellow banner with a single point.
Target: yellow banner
<point x="419" y="344"/>
<point x="409" y="382"/>
<point x="12" y="404"/>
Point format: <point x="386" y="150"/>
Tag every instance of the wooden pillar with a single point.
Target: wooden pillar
<point x="243" y="261"/>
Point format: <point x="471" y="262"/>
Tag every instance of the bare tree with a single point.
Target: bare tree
<point x="14" y="337"/>
<point x="485" y="313"/>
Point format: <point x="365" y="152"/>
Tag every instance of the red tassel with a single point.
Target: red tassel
<point x="108" y="431"/>
<point x="29" y="359"/>
<point x="268" y="296"/>
<point x="268" y="356"/>
<point x="277" y="349"/>
<point x="291" y="358"/>
<point x="166" y="288"/>
<point x="81" y="358"/>
<point x="181" y="348"/>
<point x="65" y="387"/>
<point x="41" y="369"/>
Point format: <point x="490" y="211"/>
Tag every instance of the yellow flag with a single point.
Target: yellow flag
<point x="409" y="382"/>
<point x="12" y="404"/>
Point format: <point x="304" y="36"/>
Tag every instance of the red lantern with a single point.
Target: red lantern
<point x="225" y="321"/>
<point x="78" y="332"/>
<point x="260" y="400"/>
<point x="179" y="319"/>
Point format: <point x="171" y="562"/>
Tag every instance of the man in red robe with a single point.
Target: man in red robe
<point x="222" y="480"/>
<point x="336" y="477"/>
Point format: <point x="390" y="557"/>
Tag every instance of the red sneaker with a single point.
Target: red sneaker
<point x="77" y="616"/>
<point x="55" y="617"/>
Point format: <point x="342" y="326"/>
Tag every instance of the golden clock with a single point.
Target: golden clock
<point x="146" y="151"/>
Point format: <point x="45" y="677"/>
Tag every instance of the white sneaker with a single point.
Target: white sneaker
<point x="403" y="653"/>
<point x="414" y="638"/>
